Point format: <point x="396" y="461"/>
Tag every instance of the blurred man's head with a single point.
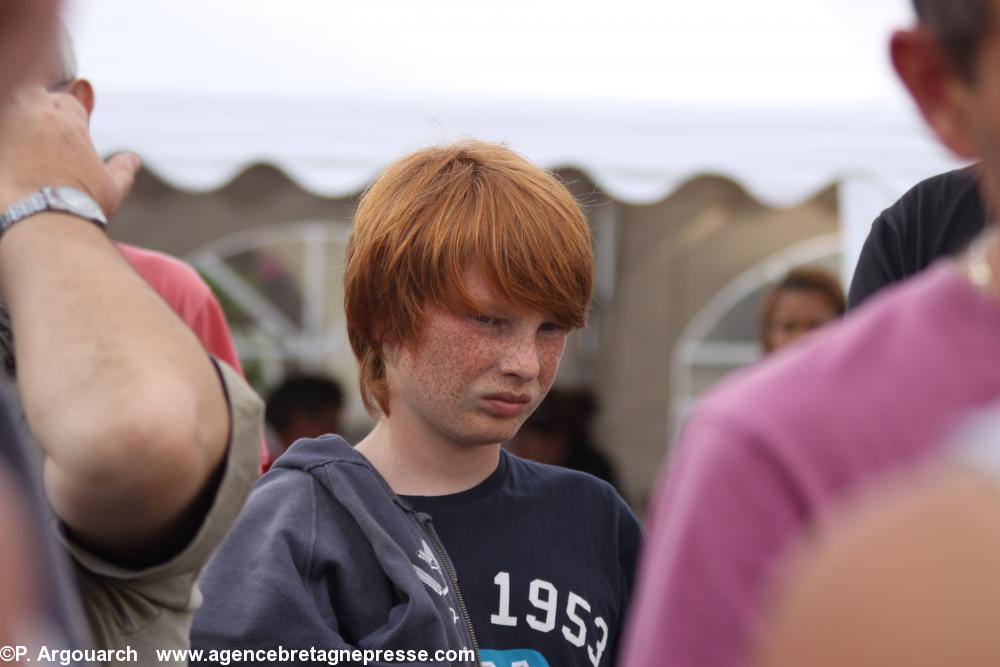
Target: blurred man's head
<point x="305" y="406"/>
<point x="559" y="425"/>
<point x="28" y="39"/>
<point x="960" y="26"/>
<point x="950" y="63"/>
<point x="61" y="73"/>
<point x="27" y="33"/>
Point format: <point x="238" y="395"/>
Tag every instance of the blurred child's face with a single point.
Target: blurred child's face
<point x="797" y="313"/>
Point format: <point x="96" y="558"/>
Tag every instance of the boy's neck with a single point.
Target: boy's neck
<point x="415" y="463"/>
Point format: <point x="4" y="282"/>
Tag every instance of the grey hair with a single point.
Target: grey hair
<point x="66" y="63"/>
<point x="961" y="26"/>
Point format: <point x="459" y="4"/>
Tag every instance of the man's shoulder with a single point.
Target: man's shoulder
<point x="859" y="363"/>
<point x="857" y="400"/>
<point x="943" y="200"/>
<point x="958" y="182"/>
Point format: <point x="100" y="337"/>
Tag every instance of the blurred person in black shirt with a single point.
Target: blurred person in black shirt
<point x="937" y="218"/>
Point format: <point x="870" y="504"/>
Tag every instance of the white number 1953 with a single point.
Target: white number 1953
<point x="544" y="596"/>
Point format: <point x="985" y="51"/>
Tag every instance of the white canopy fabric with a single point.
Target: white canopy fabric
<point x="782" y="96"/>
<point x="636" y="154"/>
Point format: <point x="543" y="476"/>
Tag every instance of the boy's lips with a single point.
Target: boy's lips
<point x="506" y="404"/>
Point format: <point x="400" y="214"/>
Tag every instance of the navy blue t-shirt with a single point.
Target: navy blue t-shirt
<point x="545" y="559"/>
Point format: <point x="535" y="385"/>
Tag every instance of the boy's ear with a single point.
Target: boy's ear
<point x="388" y="344"/>
<point x="390" y="353"/>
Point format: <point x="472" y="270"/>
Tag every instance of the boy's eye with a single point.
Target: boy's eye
<point x="552" y="326"/>
<point x="487" y="319"/>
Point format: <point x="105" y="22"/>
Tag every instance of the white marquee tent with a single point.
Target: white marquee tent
<point x="784" y="97"/>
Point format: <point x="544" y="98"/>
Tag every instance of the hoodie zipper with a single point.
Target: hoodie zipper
<point x="458" y="593"/>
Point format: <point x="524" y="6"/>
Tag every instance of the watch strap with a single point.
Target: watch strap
<point x="52" y="199"/>
<point x="34" y="203"/>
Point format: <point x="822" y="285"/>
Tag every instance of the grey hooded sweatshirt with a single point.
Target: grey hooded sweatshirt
<point x="326" y="556"/>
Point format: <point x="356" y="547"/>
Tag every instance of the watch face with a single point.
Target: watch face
<point x="78" y="202"/>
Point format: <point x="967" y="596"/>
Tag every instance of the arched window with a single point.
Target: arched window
<point x="282" y="289"/>
<point x="723" y="336"/>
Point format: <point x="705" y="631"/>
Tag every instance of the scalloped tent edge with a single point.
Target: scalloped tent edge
<point x="635" y="154"/>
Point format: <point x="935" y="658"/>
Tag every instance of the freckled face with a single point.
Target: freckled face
<point x="474" y="378"/>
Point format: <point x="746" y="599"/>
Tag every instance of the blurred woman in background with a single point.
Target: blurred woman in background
<point x="805" y="299"/>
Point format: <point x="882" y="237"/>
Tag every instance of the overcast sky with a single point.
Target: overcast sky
<point x="691" y="52"/>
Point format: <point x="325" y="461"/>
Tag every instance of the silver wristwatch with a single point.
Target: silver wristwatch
<point x="54" y="198"/>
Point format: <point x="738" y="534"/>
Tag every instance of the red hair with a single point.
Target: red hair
<point x="436" y="212"/>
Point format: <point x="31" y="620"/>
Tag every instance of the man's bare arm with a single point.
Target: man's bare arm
<point x="117" y="391"/>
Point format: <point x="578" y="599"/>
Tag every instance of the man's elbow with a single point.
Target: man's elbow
<point x="153" y="453"/>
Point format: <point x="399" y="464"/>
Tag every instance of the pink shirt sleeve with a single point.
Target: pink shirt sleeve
<point x="721" y="521"/>
<point x="209" y="324"/>
<point x="180" y="286"/>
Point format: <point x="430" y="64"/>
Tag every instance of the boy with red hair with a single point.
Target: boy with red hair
<point x="466" y="270"/>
